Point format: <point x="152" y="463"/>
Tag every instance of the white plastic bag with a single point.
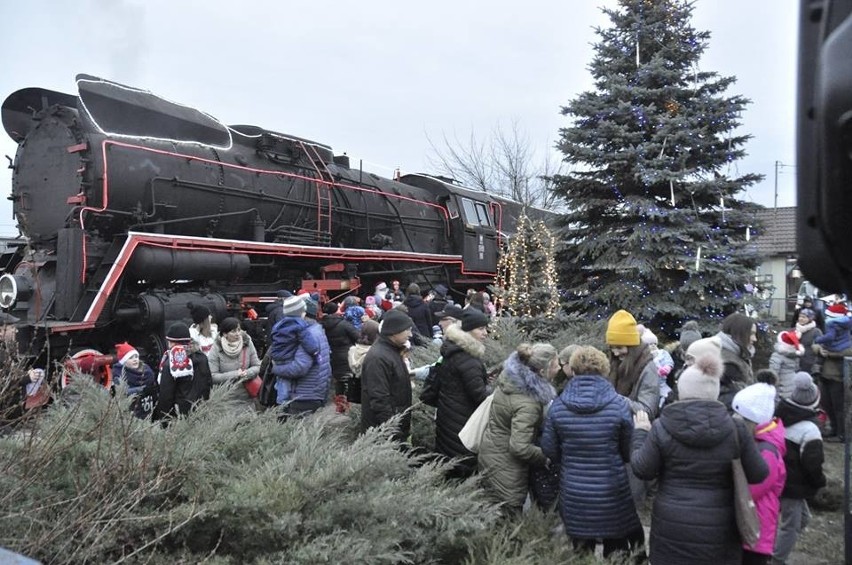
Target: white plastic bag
<point x="473" y="430"/>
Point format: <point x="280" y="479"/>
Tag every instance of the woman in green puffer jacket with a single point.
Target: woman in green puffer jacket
<point x="508" y="447"/>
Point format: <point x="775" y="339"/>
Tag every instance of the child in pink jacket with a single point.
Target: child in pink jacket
<point x="756" y="404"/>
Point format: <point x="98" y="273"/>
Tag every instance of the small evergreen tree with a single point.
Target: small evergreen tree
<point x="654" y="224"/>
<point x="526" y="282"/>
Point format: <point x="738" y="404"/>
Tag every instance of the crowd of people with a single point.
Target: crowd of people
<point x="590" y="434"/>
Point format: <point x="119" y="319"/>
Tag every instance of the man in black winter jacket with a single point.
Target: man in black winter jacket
<point x="385" y="383"/>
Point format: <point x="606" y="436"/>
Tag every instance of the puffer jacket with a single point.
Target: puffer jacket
<point x="288" y="335"/>
<point x="587" y="433"/>
<point x="785" y="362"/>
<point x="462" y="385"/>
<point x="837" y="336"/>
<point x="767" y="494"/>
<point x="225" y="368"/>
<point x="309" y="375"/>
<point x="385" y="387"/>
<point x="804" y="456"/>
<point x="508" y="447"/>
<point x="341" y="336"/>
<point x="690" y="448"/>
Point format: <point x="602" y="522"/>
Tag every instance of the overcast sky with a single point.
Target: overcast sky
<point x="378" y="78"/>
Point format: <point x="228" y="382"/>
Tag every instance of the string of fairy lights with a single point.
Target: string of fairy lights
<point x="528" y="264"/>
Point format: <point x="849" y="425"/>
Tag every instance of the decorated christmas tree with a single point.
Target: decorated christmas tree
<point x="655" y="226"/>
<point x="526" y="282"/>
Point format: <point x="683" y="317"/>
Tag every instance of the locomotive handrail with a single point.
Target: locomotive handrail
<point x="324" y="174"/>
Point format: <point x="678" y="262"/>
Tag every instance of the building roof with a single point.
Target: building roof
<point x="779" y="231"/>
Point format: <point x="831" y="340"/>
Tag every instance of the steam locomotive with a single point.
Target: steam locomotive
<point x="133" y="206"/>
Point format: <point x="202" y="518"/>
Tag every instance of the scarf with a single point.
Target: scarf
<point x="231" y="349"/>
<point x="180" y="365"/>
<point x="805" y="328"/>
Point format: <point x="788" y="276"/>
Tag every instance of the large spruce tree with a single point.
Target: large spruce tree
<point x="654" y="223"/>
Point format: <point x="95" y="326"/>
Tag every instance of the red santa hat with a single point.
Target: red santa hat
<point x="124" y="351"/>
<point x="836" y="310"/>
<point x="788" y="342"/>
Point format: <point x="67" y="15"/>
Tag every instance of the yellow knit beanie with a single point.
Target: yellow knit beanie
<point x="621" y="329"/>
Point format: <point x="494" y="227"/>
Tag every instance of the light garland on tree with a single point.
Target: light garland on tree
<point x="519" y="267"/>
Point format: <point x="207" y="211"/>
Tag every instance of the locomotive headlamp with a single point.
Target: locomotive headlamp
<point x="13" y="287"/>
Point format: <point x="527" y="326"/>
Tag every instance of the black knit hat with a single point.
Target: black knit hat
<point x="199" y="312"/>
<point x="395" y="321"/>
<point x="472" y="319"/>
<point x="178" y="332"/>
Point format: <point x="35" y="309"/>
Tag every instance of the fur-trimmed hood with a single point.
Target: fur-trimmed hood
<point x="464" y="341"/>
<point x="519" y="378"/>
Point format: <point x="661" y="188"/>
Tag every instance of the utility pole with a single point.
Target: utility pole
<point x="778" y="165"/>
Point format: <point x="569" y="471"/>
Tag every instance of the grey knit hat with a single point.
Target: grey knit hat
<point x="688" y="337"/>
<point x="805" y="392"/>
<point x="293" y="306"/>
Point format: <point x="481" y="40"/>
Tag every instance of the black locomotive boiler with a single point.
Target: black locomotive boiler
<point x="133" y="206"/>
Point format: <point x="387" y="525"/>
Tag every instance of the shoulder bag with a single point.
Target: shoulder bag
<point x="473" y="430"/>
<point x="254" y="384"/>
<point x="748" y="522"/>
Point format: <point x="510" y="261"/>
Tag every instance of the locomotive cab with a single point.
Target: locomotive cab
<point x="479" y="249"/>
<point x="474" y="221"/>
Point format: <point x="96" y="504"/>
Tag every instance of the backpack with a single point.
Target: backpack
<point x="268" y="395"/>
<point x="432" y="385"/>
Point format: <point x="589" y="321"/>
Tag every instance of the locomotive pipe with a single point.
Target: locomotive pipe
<point x="192" y="219"/>
<point x="161" y="265"/>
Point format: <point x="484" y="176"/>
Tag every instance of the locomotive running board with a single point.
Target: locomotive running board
<point x="136" y="239"/>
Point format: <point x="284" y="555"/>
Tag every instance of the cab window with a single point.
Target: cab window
<point x="475" y="213"/>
